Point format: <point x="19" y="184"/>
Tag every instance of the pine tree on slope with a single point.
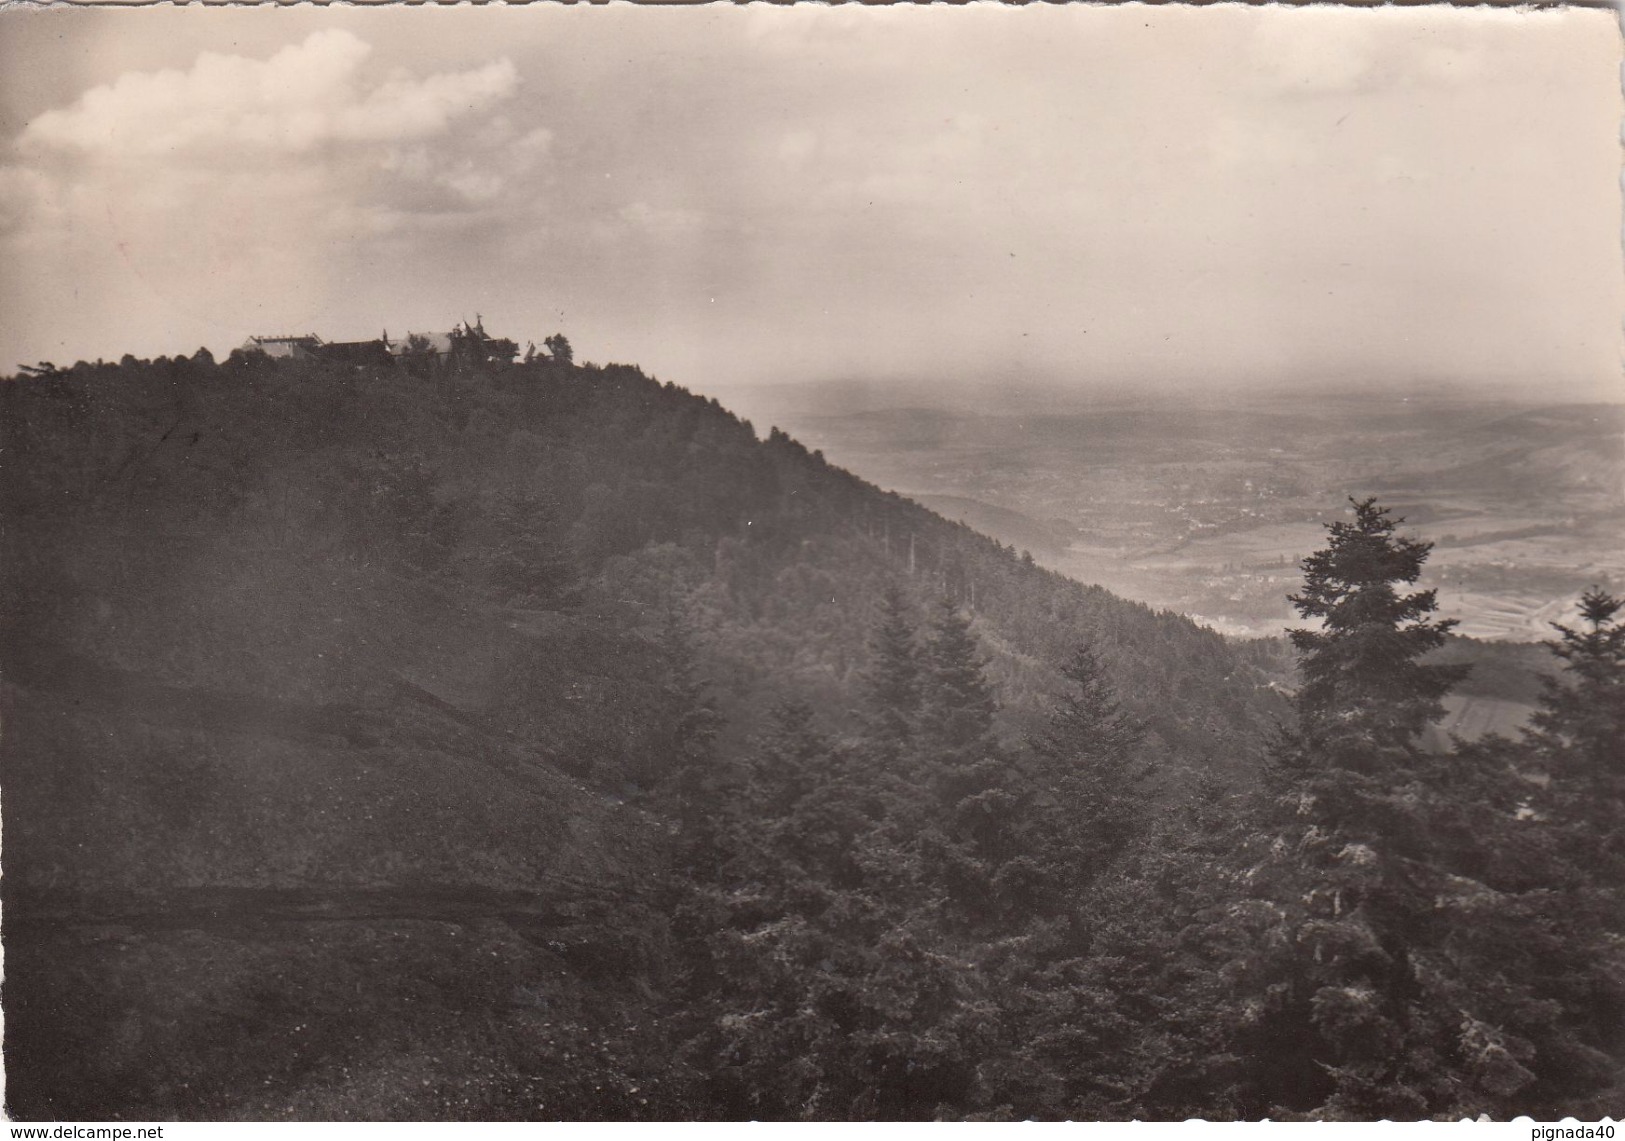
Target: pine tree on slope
<point x="1084" y="763"/>
<point x="1349" y="1026"/>
<point x="891" y="682"/>
<point x="1579" y="731"/>
<point x="1577" y="912"/>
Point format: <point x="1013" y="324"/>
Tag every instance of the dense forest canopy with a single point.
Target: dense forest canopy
<point x="488" y="735"/>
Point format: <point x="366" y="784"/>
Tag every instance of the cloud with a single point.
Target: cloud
<point x="304" y="97"/>
<point x="305" y="141"/>
<point x="236" y="184"/>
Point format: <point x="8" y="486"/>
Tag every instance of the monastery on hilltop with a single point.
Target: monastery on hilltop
<point x="464" y="344"/>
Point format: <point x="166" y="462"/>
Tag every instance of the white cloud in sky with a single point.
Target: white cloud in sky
<point x="245" y="183"/>
<point x="305" y="96"/>
<point x="254" y="152"/>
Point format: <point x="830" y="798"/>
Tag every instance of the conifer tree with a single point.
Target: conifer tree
<point x="1576" y="906"/>
<point x="962" y="761"/>
<point x="1107" y="977"/>
<point x="958" y="703"/>
<point x="1579" y="730"/>
<point x="1363" y="679"/>
<point x="1356" y="1025"/>
<point x="891" y="682"/>
<point x="1084" y="763"/>
<point x="837" y="991"/>
<point x="1132" y="1006"/>
<point x="1465" y="924"/>
<point x="1431" y="956"/>
<point x="925" y="1025"/>
<point x="969" y="825"/>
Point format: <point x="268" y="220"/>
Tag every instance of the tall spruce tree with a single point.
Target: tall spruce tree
<point x="1363" y="678"/>
<point x="1579" y="730"/>
<point x="891" y="681"/>
<point x="1085" y="765"/>
<point x="937" y="864"/>
<point x="1576" y="740"/>
<point x="1076" y="1000"/>
<point x="958" y="703"/>
<point x="1356" y="1022"/>
<point x="974" y="815"/>
<point x="1431" y="956"/>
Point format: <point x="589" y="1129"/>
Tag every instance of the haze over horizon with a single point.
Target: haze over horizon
<point x="741" y="196"/>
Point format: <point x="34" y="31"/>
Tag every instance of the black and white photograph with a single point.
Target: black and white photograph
<point x="811" y="563"/>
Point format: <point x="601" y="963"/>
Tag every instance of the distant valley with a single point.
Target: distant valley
<point x="1204" y="506"/>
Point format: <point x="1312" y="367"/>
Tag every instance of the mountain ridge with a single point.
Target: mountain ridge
<point x="307" y="627"/>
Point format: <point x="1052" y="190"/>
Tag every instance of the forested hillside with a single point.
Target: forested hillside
<point x="476" y="739"/>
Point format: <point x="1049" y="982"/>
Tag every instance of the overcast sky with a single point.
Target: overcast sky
<point x="738" y="195"/>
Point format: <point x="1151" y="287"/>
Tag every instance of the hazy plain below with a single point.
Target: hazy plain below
<point x="1204" y="503"/>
